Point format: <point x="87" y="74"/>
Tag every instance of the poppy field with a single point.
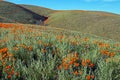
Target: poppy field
<point x="30" y="52"/>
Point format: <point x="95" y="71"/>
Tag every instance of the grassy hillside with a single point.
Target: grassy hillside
<point x="39" y="10"/>
<point x="30" y="52"/>
<point x="98" y="23"/>
<point x="17" y="13"/>
<point x="94" y="22"/>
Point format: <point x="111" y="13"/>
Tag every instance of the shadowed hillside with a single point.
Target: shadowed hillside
<point x="18" y="14"/>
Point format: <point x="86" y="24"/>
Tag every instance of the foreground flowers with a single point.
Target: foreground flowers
<point x="7" y="59"/>
<point x="31" y="53"/>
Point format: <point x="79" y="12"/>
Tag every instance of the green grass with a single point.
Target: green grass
<point x="38" y="51"/>
<point x="17" y="13"/>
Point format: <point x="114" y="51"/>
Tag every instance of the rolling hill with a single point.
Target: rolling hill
<point x="98" y="23"/>
<point x="18" y="14"/>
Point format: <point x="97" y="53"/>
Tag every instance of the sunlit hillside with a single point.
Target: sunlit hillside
<point x="98" y="23"/>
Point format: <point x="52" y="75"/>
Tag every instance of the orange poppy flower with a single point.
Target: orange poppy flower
<point x="88" y="61"/>
<point x="71" y="62"/>
<point x="80" y="72"/>
<point x="60" y="67"/>
<point x="111" y="54"/>
<point x="75" y="73"/>
<point x="88" y="77"/>
<point x="76" y="54"/>
<point x="86" y="39"/>
<point x="9" y="76"/>
<point x="66" y="66"/>
<point x="7" y="67"/>
<point x="4" y="50"/>
<point x="76" y="64"/>
<point x="92" y="76"/>
<point x="91" y="65"/>
<point x="73" y="59"/>
<point x="30" y="48"/>
<point x="12" y="72"/>
<point x="84" y="63"/>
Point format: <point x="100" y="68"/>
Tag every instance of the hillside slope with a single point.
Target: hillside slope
<point x="18" y="14"/>
<point x="98" y="23"/>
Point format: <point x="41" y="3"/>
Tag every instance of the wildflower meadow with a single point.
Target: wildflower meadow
<point x="29" y="52"/>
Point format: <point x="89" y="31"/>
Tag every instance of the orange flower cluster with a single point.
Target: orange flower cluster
<point x="74" y="43"/>
<point x="103" y="45"/>
<point x="87" y="62"/>
<point x="4" y="50"/>
<point x="9" y="69"/>
<point x="4" y="25"/>
<point x="60" y="37"/>
<point x="89" y="77"/>
<point x="77" y="72"/>
<point x="14" y="27"/>
<point x="86" y="39"/>
<point x="107" y="53"/>
<point x="69" y="61"/>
